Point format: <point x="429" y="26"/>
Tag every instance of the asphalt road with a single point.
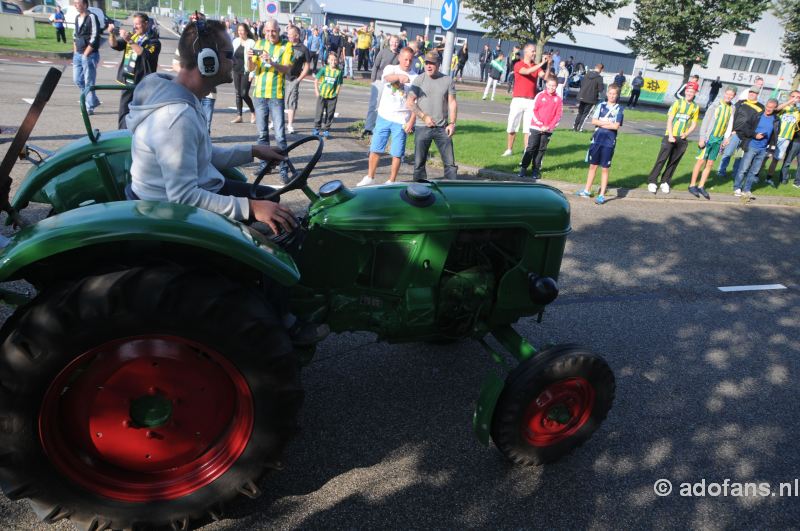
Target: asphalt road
<point x="706" y="380"/>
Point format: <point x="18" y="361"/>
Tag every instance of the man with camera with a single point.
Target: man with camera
<point x="141" y="49"/>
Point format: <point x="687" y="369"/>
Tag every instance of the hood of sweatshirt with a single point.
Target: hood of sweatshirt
<point x="156" y="91"/>
<point x="592" y="74"/>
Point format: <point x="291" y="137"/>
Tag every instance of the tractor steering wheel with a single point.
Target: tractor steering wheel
<point x="297" y="180"/>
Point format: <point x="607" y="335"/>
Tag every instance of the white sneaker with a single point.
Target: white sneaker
<point x="652" y="188"/>
<point x="664" y="188"/>
<point x="290" y="129"/>
<point x="737" y="192"/>
<point x="366" y="181"/>
<point x="507" y="153"/>
<point x="271" y="126"/>
<point x="390" y="182"/>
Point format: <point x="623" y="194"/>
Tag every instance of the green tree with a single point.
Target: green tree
<point x="536" y="20"/>
<point x="788" y="12"/>
<point x="681" y="33"/>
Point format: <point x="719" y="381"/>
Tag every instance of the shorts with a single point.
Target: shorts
<point x="600" y="155"/>
<point x="380" y="137"/>
<point x="292" y="94"/>
<point x="520" y="112"/>
<point x="780" y="150"/>
<point x="711" y="149"/>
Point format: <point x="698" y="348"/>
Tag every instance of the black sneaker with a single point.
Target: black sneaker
<point x="308" y="334"/>
<point x="704" y="193"/>
<point x="694" y="191"/>
<point x="522" y="174"/>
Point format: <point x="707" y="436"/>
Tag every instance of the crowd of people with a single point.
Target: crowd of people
<point x="409" y="93"/>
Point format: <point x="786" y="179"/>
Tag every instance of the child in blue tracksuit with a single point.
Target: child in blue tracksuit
<point x="607" y="119"/>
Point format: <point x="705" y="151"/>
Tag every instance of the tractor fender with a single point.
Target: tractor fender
<point x="142" y="221"/>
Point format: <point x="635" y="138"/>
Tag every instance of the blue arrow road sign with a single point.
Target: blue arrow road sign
<point x="449" y="14"/>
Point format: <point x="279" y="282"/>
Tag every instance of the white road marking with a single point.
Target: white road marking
<point x="233" y="108"/>
<point x="109" y="63"/>
<point x="495" y="113"/>
<point x="169" y="30"/>
<point x="754" y="287"/>
<point x="108" y="66"/>
<point x="29" y="101"/>
<point x="45" y="62"/>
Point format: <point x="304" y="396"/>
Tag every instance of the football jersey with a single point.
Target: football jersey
<point x="682" y="112"/>
<point x="606" y="112"/>
<point x="268" y="82"/>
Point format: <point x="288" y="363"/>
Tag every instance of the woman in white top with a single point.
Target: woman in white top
<point x="241" y="81"/>
<point x="563" y="77"/>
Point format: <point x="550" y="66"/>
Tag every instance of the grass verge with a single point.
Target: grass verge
<point x="45" y="41"/>
<point x="479" y="144"/>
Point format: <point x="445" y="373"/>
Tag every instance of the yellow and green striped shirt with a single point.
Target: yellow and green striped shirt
<point x="330" y="79"/>
<point x="682" y="112"/>
<point x="722" y="116"/>
<point x="790" y="121"/>
<point x="269" y="82"/>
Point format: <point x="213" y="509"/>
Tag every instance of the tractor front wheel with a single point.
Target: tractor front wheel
<point x="143" y="398"/>
<point x="551" y="404"/>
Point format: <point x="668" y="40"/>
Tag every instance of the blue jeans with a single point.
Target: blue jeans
<point x="423" y="137"/>
<point x="730" y="150"/>
<point x="793" y="153"/>
<point x="208" y="110"/>
<point x="751" y="165"/>
<point x="266" y="108"/>
<point x="84" y="73"/>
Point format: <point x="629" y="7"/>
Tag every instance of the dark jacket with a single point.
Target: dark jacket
<point x="486" y="57"/>
<point x="591" y="87"/>
<point x="384" y="58"/>
<point x="88" y="33"/>
<point x="745" y="121"/>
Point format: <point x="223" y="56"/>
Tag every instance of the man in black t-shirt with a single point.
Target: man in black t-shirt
<point x="301" y="63"/>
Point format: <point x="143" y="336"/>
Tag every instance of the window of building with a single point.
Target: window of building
<point x="774" y="68"/>
<point x="624" y="24"/>
<point x="288" y="7"/>
<point x="735" y="62"/>
<point x="408" y="1"/>
<point x="760" y="66"/>
<point x="741" y="39"/>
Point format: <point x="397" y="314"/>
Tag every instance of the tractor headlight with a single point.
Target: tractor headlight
<point x="543" y="290"/>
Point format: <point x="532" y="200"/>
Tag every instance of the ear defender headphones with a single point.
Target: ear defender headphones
<point x="207" y="58"/>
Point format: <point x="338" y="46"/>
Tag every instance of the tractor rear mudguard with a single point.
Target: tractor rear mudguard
<point x="128" y="223"/>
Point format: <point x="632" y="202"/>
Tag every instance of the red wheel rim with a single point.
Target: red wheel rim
<point x="146" y="418"/>
<point x="558" y="412"/>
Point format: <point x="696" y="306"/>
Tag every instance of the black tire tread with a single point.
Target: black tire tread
<point x="558" y="362"/>
<point x="167" y="298"/>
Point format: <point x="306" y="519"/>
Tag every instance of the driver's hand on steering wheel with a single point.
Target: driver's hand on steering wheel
<point x="267" y="153"/>
<point x="274" y="215"/>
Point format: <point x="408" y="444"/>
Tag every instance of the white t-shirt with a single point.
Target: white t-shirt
<point x="392" y="106"/>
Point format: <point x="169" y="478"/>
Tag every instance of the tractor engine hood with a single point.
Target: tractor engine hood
<point x="444" y="205"/>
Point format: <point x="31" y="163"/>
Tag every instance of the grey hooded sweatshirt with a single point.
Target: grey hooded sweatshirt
<point x="173" y="158"/>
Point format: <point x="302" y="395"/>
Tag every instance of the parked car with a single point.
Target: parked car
<point x="41" y="13"/>
<point x="70" y="13"/>
<point x="9" y="8"/>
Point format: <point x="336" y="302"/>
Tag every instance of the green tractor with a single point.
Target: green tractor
<point x="150" y="380"/>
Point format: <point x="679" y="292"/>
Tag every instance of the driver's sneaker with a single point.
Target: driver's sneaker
<point x="366" y="181"/>
<point x="507" y="153"/>
<point x="652" y="188"/>
<point x="664" y="188"/>
<point x="694" y="191"/>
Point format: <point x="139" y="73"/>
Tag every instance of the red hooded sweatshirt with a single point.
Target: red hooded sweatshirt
<point x="547" y="110"/>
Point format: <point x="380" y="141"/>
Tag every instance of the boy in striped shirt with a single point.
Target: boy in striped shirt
<point x="327" y="82"/>
<point x="681" y="121"/>
<point x="715" y="133"/>
<point x="271" y="60"/>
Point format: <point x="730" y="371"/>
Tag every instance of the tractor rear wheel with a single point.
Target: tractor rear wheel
<point x="551" y="404"/>
<point x="144" y="398"/>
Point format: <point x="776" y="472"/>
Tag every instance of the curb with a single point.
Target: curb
<point x="17" y="52"/>
<point x="474" y="172"/>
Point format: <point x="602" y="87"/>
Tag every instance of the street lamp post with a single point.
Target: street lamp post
<point x="324" y="15"/>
